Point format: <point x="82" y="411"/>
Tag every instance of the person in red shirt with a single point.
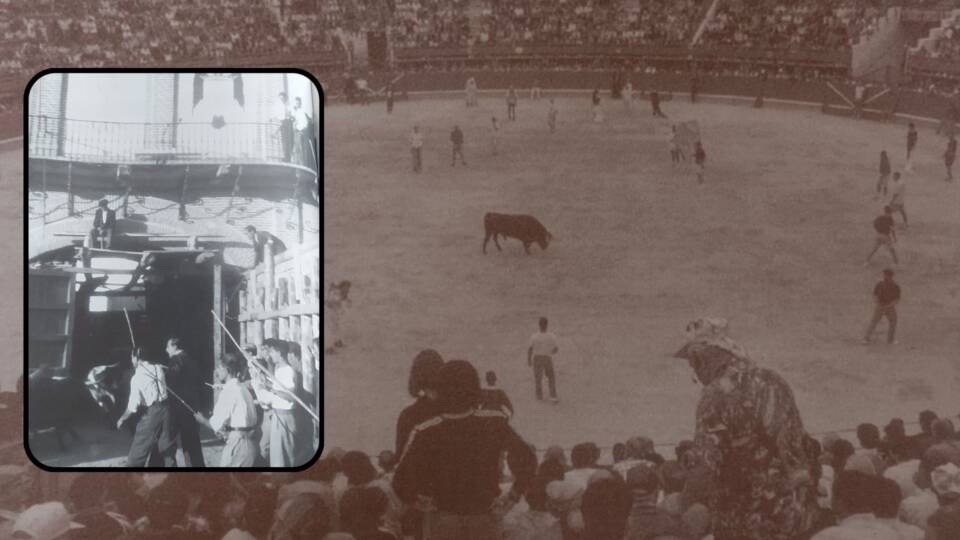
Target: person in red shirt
<point x="886" y="234"/>
<point x="887" y="295"/>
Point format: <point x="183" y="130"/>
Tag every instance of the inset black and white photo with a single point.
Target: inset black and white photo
<point x="173" y="287"/>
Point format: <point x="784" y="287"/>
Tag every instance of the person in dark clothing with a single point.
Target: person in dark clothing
<point x="884" y="174"/>
<point x="183" y="378"/>
<point x="422" y="385"/>
<point x="495" y="399"/>
<point x="605" y="508"/>
<point x="950" y="156"/>
<point x="104" y="222"/>
<point x="886" y="234"/>
<point x="456" y="137"/>
<point x="920" y="442"/>
<point x="694" y="88"/>
<point x="655" y="105"/>
<point x="511" y="104"/>
<point x="700" y="157"/>
<point x="452" y="462"/>
<point x="390" y="99"/>
<point x="912" y="137"/>
<point x="261" y="239"/>
<point x="887" y="295"/>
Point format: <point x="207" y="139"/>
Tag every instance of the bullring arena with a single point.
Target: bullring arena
<point x="774" y="241"/>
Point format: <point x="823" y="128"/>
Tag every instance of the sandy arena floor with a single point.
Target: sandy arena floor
<point x="774" y="241"/>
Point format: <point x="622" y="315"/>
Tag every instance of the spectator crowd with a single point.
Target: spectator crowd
<point x="459" y="470"/>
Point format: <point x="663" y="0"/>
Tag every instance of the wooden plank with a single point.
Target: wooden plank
<point x="79" y="270"/>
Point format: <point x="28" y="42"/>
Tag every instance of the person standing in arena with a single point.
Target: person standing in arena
<point x="535" y="92"/>
<point x="950" y="156"/>
<point x="655" y="104"/>
<point x="700" y="156"/>
<point x="898" y="192"/>
<point x="886" y="295"/>
<point x="451" y="464"/>
<point x="886" y="235"/>
<point x="494" y="134"/>
<point x="540" y="352"/>
<point x="552" y="117"/>
<point x="676" y="153"/>
<point x="884" y="175"/>
<point x="912" y="137"/>
<point x="627" y="94"/>
<point x="183" y="378"/>
<point x="456" y="137"/>
<point x="235" y="413"/>
<point x="416" y="145"/>
<point x="471" y="91"/>
<point x="155" y="437"/>
<point x="512" y="104"/>
<point x="390" y="99"/>
<point x="595" y="99"/>
<point x="751" y="441"/>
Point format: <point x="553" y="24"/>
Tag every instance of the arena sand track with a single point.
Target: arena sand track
<point x="774" y="241"/>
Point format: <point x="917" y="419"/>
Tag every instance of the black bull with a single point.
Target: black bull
<point x="57" y="402"/>
<point x="523" y="227"/>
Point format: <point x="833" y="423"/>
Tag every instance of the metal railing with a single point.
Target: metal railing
<point x="145" y="142"/>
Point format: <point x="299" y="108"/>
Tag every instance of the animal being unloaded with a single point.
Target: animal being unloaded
<point x="53" y="403"/>
<point x="523" y="227"/>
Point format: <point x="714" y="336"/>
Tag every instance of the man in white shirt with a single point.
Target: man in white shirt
<point x="542" y="347"/>
<point x="301" y="126"/>
<point x="285" y="424"/>
<point x="898" y="192"/>
<point x="236" y="414"/>
<point x="153" y="439"/>
<point x="281" y="115"/>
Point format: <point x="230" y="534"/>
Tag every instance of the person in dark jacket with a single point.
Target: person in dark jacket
<point x="655" y="105"/>
<point x="884" y="174"/>
<point x="886" y="295"/>
<point x="950" y="156"/>
<point x="422" y="385"/>
<point x="700" y="156"/>
<point x="456" y="137"/>
<point x="451" y="463"/>
<point x="104" y="222"/>
<point x="183" y="378"/>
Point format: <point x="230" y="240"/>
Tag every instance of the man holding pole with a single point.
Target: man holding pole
<point x="154" y="437"/>
<point x="184" y="381"/>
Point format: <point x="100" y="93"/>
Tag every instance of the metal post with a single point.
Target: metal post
<point x="62" y="121"/>
<point x="70" y="211"/>
<point x="218" y="310"/>
<point x="176" y="109"/>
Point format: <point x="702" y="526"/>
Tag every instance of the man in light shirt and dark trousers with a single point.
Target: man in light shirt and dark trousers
<point x="235" y="414"/>
<point x="542" y="348"/>
<point x="153" y="439"/>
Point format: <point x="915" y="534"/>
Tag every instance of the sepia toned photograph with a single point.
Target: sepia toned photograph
<point x="173" y="306"/>
<point x="592" y="269"/>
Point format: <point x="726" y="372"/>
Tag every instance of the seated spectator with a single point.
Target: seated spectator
<point x="619" y="452"/>
<point x="854" y="503"/>
<point x="360" y="473"/>
<point x="318" y="480"/>
<point x="895" y="447"/>
<point x="639" y="452"/>
<point x="605" y="508"/>
<point x="903" y="473"/>
<point x="556" y="453"/>
<point x="672" y="477"/>
<point x="584" y="457"/>
<point x="302" y="517"/>
<point x="646" y="520"/>
<point x="453" y="463"/>
<point x="536" y="523"/>
<point x="921" y="441"/>
<point x="563" y="501"/>
<point x="363" y="512"/>
<point x="495" y="399"/>
<point x="886" y="507"/>
<point x="869" y="437"/>
<point x="945" y="522"/>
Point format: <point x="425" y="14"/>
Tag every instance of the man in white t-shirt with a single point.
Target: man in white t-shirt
<point x="543" y="345"/>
